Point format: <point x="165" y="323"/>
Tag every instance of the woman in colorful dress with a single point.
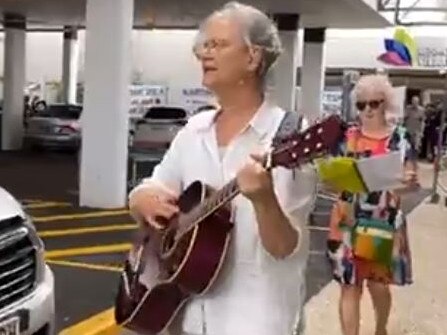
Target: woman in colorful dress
<point x="353" y="263"/>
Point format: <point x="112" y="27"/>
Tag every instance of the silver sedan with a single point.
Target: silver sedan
<point x="57" y="126"/>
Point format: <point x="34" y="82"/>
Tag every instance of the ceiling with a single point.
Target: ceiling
<point x="49" y="14"/>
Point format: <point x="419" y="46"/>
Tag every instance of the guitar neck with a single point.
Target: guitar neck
<point x="220" y="198"/>
<point x="216" y="200"/>
<point x="289" y="152"/>
<point x="210" y="205"/>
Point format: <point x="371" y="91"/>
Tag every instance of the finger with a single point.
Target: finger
<point x="259" y="158"/>
<point x="167" y="210"/>
<point x="168" y="192"/>
<point x="258" y="168"/>
<point x="153" y="223"/>
<point x="169" y="196"/>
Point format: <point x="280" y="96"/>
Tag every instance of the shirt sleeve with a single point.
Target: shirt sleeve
<point x="296" y="191"/>
<point x="168" y="173"/>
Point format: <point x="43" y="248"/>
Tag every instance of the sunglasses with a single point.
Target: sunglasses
<point x="373" y="104"/>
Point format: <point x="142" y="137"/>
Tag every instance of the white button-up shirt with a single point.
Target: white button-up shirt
<point x="255" y="294"/>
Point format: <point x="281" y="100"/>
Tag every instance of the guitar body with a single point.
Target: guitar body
<point x="152" y="293"/>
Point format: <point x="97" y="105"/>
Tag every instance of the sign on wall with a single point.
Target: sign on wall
<point x="194" y="97"/>
<point x="332" y="102"/>
<point x="145" y="96"/>
<point x="433" y="57"/>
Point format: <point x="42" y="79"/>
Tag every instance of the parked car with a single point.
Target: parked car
<point x="150" y="137"/>
<point x="26" y="282"/>
<point x="56" y="126"/>
<point x="157" y="128"/>
<point x="204" y="108"/>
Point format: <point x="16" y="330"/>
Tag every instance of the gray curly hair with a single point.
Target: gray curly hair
<point x="257" y="30"/>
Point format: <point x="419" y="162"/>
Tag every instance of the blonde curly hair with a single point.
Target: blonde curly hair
<point x="377" y="83"/>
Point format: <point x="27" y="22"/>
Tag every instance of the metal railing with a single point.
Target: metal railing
<point x="414" y="12"/>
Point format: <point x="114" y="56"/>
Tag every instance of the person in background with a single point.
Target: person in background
<point x="414" y="120"/>
<point x="390" y="263"/>
<point x="429" y="138"/>
<point x="261" y="288"/>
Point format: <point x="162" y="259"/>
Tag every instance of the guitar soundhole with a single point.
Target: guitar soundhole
<point x="173" y="251"/>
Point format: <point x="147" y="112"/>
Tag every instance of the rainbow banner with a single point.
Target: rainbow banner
<point x="401" y="50"/>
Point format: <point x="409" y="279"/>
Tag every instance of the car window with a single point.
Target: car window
<point x="165" y="113"/>
<point x="62" y="112"/>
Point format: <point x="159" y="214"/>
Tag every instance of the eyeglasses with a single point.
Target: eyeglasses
<point x="373" y="104"/>
<point x="210" y="46"/>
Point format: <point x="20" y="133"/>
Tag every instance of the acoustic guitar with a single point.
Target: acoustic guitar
<point x="166" y="268"/>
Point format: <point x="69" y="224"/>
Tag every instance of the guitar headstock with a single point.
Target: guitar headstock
<point x="303" y="147"/>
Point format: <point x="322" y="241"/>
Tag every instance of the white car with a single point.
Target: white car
<point x="26" y="282"/>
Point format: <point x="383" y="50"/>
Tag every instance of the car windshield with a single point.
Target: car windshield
<point x="70" y="112"/>
<point x="165" y="113"/>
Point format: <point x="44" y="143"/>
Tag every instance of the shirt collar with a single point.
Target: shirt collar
<point x="261" y="122"/>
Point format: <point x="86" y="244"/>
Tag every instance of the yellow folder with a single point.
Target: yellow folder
<point x="342" y="174"/>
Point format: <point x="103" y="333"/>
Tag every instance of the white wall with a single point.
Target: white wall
<point x="161" y="57"/>
<point x="166" y="57"/>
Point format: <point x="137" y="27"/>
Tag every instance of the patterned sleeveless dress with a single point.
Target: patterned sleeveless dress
<point x="384" y="205"/>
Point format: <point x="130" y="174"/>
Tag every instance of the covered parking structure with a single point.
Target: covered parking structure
<point x="109" y="24"/>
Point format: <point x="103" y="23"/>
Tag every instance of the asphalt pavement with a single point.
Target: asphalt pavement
<point x="85" y="247"/>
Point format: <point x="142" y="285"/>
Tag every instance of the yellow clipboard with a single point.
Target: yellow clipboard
<point x="342" y="174"/>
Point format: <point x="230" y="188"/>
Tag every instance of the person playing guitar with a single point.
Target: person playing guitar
<point x="260" y="288"/>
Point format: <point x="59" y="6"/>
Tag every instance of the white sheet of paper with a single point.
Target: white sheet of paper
<point x="382" y="172"/>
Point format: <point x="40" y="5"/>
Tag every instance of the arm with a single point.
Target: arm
<point x="165" y="183"/>
<point x="277" y="234"/>
<point x="282" y="213"/>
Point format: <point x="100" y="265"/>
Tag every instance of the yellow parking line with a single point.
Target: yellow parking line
<point x="103" y="249"/>
<point x="319" y="228"/>
<point x="38" y="219"/>
<point x="85" y="265"/>
<point x="49" y="204"/>
<point x="31" y="200"/>
<point x="88" y="230"/>
<point x="99" y="324"/>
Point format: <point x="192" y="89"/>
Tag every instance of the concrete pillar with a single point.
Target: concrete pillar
<point x="14" y="82"/>
<point x="313" y="72"/>
<point x="70" y="64"/>
<point x="286" y="66"/>
<point x="103" y="170"/>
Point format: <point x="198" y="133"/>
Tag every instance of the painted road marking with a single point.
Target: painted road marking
<point x="104" y="249"/>
<point x="38" y="219"/>
<point x="47" y="204"/>
<point x="319" y="228"/>
<point x="31" y="201"/>
<point x="99" y="324"/>
<point x="88" y="230"/>
<point x="85" y="265"/>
